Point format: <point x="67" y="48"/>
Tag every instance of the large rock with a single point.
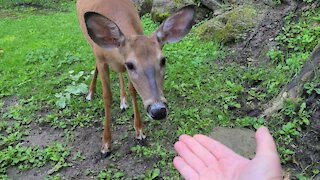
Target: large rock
<point x="218" y="4"/>
<point x="229" y="26"/>
<point x="203" y="13"/>
<point x="240" y="140"/>
<point x="212" y="4"/>
<point x="161" y="9"/>
<point x="143" y="6"/>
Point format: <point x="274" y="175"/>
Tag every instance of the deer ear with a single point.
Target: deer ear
<point x="103" y="31"/>
<point x="177" y="25"/>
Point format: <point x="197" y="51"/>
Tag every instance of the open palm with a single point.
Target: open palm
<point x="201" y="157"/>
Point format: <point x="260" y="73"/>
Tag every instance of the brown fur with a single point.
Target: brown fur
<point x="114" y="31"/>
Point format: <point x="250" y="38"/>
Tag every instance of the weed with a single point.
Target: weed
<point x="25" y="157"/>
<point x="156" y="150"/>
<point x="112" y="172"/>
<point x="78" y="156"/>
<point x="277" y="1"/>
<point x="3" y="125"/>
<point x="298" y="118"/>
<point x="56" y="177"/>
<point x="152" y="174"/>
<point x="57" y="154"/>
<point x="311" y="87"/>
<point x="250" y="122"/>
<point x="296" y="41"/>
<point x="73" y="89"/>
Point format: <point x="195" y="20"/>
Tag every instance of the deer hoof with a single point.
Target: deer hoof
<point x="123" y="108"/>
<point x="105" y="150"/>
<point x="142" y="142"/>
<point x="123" y="105"/>
<point x="105" y="155"/>
<point x="100" y="156"/>
<point x="89" y="96"/>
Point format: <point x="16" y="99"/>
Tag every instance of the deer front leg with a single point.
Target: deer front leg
<point x="92" y="87"/>
<point x="137" y="118"/>
<point x="107" y="99"/>
<point x="123" y="98"/>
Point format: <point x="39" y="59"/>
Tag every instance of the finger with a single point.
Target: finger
<point x="201" y="152"/>
<point x="267" y="150"/>
<point x="187" y="155"/>
<point x="219" y="150"/>
<point x="185" y="170"/>
<point x="265" y="142"/>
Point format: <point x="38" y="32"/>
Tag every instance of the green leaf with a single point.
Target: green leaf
<point x="61" y="103"/>
<point x="118" y="175"/>
<point x="155" y="173"/>
<point x="77" y="89"/>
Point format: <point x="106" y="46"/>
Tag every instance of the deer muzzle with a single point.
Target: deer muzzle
<point x="158" y="110"/>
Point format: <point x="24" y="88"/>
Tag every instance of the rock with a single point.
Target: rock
<point x="203" y="13"/>
<point x="212" y="4"/>
<point x="229" y="26"/>
<point x="240" y="140"/>
<point x="218" y="4"/>
<point x="161" y="9"/>
<point x="143" y="6"/>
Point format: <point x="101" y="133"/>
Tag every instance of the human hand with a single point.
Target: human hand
<point x="201" y="157"/>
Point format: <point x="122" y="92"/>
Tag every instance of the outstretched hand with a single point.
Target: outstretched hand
<point x="201" y="157"/>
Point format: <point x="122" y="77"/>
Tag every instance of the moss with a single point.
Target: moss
<point x="229" y="26"/>
<point x="160" y="16"/>
<point x="149" y="3"/>
<point x="144" y="7"/>
<point x="183" y="1"/>
<point x="161" y="11"/>
<point x="242" y="18"/>
<point x="212" y="28"/>
<point x="177" y="1"/>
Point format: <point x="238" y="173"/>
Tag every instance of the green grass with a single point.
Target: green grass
<point x="61" y="5"/>
<point x="46" y="64"/>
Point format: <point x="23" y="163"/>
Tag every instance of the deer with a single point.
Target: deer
<point x="114" y="31"/>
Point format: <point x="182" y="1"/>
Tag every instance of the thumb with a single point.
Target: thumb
<point x="265" y="142"/>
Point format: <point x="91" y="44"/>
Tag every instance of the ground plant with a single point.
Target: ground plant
<point x="47" y="127"/>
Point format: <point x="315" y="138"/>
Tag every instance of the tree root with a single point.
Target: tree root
<point x="295" y="88"/>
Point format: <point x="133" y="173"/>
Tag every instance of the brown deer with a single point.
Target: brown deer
<point x="114" y="31"/>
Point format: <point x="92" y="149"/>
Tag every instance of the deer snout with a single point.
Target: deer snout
<point x="158" y="110"/>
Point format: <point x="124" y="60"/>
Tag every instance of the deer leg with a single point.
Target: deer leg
<point x="92" y="87"/>
<point x="107" y="99"/>
<point x="123" y="99"/>
<point x="137" y="118"/>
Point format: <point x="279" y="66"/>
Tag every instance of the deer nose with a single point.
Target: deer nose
<point x="158" y="110"/>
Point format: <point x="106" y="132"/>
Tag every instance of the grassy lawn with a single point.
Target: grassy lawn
<point x="46" y="65"/>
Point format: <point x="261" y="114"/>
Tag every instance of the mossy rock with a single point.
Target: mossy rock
<point x="161" y="9"/>
<point x="160" y="16"/>
<point x="230" y="26"/>
<point x="143" y="6"/>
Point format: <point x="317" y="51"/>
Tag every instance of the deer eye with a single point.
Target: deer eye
<point x="130" y="66"/>
<point x="163" y="61"/>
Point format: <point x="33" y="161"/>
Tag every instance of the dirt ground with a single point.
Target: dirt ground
<point x="309" y="140"/>
<point x="86" y="139"/>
